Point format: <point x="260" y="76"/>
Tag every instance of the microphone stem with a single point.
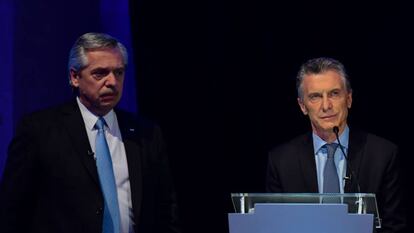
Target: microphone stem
<point x="336" y="131"/>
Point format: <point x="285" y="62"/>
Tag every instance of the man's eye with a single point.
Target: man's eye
<point x="119" y="72"/>
<point x="100" y="74"/>
<point x="314" y="97"/>
<point x="335" y="93"/>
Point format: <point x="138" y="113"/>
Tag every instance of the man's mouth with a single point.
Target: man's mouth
<point x="328" y="117"/>
<point x="108" y="96"/>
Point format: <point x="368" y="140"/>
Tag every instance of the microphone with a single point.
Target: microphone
<point x="360" y="201"/>
<point x="348" y="164"/>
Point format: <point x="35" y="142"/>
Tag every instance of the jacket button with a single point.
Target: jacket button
<point x="99" y="211"/>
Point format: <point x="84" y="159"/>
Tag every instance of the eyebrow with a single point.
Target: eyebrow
<point x="109" y="67"/>
<point x="334" y="89"/>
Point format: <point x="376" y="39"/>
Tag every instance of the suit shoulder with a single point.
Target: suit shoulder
<point x="143" y="126"/>
<point x="380" y="142"/>
<point x="46" y="116"/>
<point x="371" y="139"/>
<point x="371" y="146"/>
<point x="289" y="147"/>
<point x="137" y="119"/>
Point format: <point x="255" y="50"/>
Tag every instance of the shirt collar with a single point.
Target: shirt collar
<point x="319" y="142"/>
<point x="90" y="118"/>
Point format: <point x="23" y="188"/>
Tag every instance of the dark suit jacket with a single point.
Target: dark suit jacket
<point x="292" y="169"/>
<point x="50" y="182"/>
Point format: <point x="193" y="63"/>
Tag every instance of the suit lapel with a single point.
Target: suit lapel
<point x="130" y="138"/>
<point x="357" y="141"/>
<point x="307" y="161"/>
<point x="75" y="126"/>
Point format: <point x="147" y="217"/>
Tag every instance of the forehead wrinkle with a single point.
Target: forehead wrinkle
<point x="320" y="84"/>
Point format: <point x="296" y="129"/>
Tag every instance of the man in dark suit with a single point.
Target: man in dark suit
<point x="302" y="165"/>
<point x="53" y="181"/>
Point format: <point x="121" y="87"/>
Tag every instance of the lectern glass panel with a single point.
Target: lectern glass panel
<point x="358" y="203"/>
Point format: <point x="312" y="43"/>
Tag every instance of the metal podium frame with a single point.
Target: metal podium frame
<point x="303" y="212"/>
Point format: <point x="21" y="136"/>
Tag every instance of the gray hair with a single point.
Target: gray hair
<point x="92" y="41"/>
<point x="318" y="66"/>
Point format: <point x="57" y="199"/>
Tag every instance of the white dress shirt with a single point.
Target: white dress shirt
<point x="119" y="161"/>
<point x="321" y="156"/>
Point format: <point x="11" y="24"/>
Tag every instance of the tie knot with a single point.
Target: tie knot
<point x="100" y="123"/>
<point x="331" y="149"/>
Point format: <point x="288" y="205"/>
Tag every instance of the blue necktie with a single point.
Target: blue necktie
<point x="330" y="175"/>
<point x="111" y="219"/>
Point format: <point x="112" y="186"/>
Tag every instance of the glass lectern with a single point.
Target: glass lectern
<point x="304" y="212"/>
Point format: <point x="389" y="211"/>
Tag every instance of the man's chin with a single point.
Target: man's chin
<point x="107" y="99"/>
<point x="328" y="127"/>
<point x="106" y="106"/>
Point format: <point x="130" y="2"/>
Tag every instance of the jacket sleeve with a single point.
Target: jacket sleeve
<point x="390" y="198"/>
<point x="18" y="184"/>
<point x="273" y="184"/>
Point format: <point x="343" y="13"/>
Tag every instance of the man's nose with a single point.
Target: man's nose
<point x="326" y="103"/>
<point x="111" y="79"/>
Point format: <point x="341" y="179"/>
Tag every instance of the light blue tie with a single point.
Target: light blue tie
<point x="106" y="177"/>
<point x="330" y="175"/>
